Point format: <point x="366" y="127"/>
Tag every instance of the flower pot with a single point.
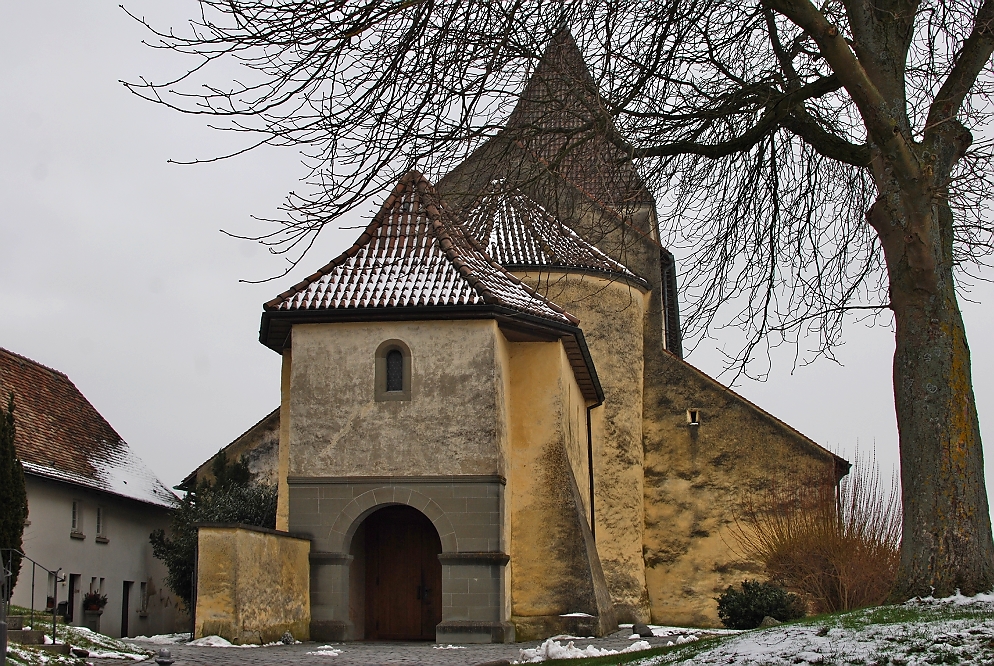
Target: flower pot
<point x="91" y="619"/>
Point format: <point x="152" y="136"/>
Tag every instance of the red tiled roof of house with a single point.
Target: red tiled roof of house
<point x="415" y="254"/>
<point x="557" y="119"/>
<point x="61" y="436"/>
<point x="518" y="232"/>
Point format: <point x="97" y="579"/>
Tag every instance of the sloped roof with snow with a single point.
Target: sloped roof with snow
<point x="518" y="232"/>
<point x="61" y="436"/>
<point x="414" y="254"/>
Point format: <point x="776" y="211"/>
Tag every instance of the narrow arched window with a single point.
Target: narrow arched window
<point x="395" y="370"/>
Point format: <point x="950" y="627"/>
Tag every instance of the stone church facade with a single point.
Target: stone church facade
<point x="487" y="431"/>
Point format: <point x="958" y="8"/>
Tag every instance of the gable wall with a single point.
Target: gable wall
<point x="699" y="478"/>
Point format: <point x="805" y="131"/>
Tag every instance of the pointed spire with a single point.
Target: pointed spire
<point x="553" y="121"/>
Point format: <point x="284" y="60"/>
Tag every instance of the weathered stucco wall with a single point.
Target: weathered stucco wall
<point x="283" y="455"/>
<point x="253" y="585"/>
<point x="697" y="478"/>
<point x="611" y="313"/>
<point x="449" y="426"/>
<point x="258" y="447"/>
<point x="554" y="566"/>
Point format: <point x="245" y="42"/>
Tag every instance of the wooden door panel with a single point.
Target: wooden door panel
<point x="403" y="575"/>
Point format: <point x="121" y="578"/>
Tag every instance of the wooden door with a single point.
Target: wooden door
<point x="403" y="575"/>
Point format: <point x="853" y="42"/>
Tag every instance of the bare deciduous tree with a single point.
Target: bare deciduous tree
<point x="817" y="159"/>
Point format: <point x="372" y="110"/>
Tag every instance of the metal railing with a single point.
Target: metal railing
<point x="6" y="592"/>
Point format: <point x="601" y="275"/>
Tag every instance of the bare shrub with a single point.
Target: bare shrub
<point x="840" y="547"/>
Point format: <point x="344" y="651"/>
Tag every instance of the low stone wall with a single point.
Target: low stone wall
<point x="252" y="584"/>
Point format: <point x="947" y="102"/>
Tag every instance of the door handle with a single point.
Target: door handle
<point x="419" y="593"/>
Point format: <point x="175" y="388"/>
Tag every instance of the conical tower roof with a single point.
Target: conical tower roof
<point x="413" y="254"/>
<point x="519" y="233"/>
<point x="557" y="118"/>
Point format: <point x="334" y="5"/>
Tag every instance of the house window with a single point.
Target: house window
<point x="101" y="526"/>
<point x="392" y="374"/>
<point x="693" y="417"/>
<point x="76" y="531"/>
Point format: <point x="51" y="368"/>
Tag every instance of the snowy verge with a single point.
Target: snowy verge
<point x="954" y="630"/>
<point x="553" y="649"/>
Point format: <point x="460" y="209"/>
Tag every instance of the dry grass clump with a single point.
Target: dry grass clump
<point x="840" y="549"/>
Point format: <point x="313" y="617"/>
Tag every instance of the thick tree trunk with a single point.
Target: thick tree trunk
<point x="947" y="543"/>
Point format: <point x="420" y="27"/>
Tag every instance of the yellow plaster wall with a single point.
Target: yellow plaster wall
<point x="611" y="314"/>
<point x="449" y="426"/>
<point x="283" y="457"/>
<point x="554" y="564"/>
<point x="697" y="481"/>
<point x="252" y="586"/>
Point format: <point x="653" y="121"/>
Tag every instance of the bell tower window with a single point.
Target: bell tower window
<point x="393" y="371"/>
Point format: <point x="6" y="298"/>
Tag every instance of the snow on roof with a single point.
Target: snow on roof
<point x="61" y="436"/>
<point x="415" y="254"/>
<point x="518" y="231"/>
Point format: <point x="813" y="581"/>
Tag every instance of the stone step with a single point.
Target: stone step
<point x="61" y="648"/>
<point x="26" y="636"/>
<point x="15" y="622"/>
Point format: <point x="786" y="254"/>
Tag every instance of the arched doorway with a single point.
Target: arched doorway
<point x="403" y="585"/>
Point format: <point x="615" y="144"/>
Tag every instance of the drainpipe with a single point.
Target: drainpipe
<point x="590" y="471"/>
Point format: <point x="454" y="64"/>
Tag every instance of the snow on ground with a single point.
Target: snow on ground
<point x="956" y="630"/>
<point x="326" y="651"/>
<point x="163" y="639"/>
<point x="98" y="645"/>
<point x="553" y="649"/>
<point x="449" y="647"/>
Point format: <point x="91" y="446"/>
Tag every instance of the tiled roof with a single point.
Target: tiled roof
<point x="414" y="254"/>
<point x="554" y="120"/>
<point x="518" y="232"/>
<point x="60" y="435"/>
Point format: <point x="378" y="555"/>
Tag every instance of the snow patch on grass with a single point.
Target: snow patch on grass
<point x="553" y="649"/>
<point x="954" y="630"/>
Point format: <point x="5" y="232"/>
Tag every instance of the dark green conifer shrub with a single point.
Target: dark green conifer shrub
<point x="746" y="608"/>
<point x="13" y="496"/>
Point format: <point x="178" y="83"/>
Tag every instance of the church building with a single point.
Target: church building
<point x="487" y="431"/>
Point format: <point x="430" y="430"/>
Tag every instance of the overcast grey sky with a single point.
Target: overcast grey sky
<point x="113" y="269"/>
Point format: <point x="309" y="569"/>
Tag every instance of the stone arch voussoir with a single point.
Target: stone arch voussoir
<point x="360" y="507"/>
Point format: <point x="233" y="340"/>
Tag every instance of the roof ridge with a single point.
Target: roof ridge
<point x="36" y="363"/>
